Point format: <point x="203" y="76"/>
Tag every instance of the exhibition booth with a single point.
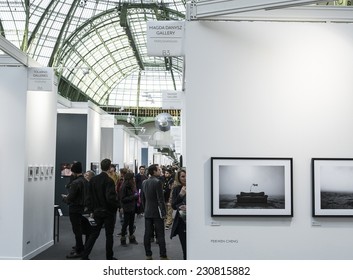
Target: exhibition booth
<point x="279" y="94"/>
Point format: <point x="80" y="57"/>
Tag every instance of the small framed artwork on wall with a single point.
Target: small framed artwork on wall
<point x="258" y="187"/>
<point x="95" y="167"/>
<point x="65" y="169"/>
<point x="30" y="172"/>
<point x="51" y="170"/>
<point x="46" y="171"/>
<point x="42" y="171"/>
<point x="332" y="184"/>
<point x="36" y="171"/>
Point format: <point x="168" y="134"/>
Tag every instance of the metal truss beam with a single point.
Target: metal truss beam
<point x="67" y="20"/>
<point x="14" y="52"/>
<point x="40" y="22"/>
<point x="297" y="14"/>
<point x="124" y="23"/>
<point x="205" y="8"/>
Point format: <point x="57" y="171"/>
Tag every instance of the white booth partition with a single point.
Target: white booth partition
<point x="267" y="90"/>
<point x="127" y="148"/>
<point x="28" y="122"/>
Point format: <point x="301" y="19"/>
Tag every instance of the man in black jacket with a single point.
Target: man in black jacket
<point x="103" y="203"/>
<point x="75" y="199"/>
<point x="154" y="207"/>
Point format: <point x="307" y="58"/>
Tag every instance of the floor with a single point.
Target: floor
<point x="132" y="252"/>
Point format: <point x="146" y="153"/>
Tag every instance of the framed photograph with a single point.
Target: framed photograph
<point x="36" y="171"/>
<point x="332" y="180"/>
<point x="46" y="171"/>
<point x="117" y="167"/>
<point x="65" y="169"/>
<point x="51" y="170"/>
<point x="42" y="171"/>
<point x="259" y="187"/>
<point x="95" y="167"/>
<point x="30" y="172"/>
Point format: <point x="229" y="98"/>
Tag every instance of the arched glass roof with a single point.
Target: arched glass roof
<point x="98" y="48"/>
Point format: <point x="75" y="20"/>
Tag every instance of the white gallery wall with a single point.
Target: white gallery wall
<point x="118" y="146"/>
<point x="93" y="134"/>
<point x="12" y="160"/>
<point x="28" y="122"/>
<point x="107" y="136"/>
<point x="267" y="89"/>
<point x="126" y="147"/>
<point x="39" y="192"/>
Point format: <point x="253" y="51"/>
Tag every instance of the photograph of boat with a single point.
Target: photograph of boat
<point x="253" y="187"/>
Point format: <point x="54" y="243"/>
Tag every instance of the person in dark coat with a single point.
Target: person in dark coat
<point x="128" y="196"/>
<point x="179" y="204"/>
<point x="154" y="208"/>
<point x="139" y="178"/>
<point x="76" y="199"/>
<point x="103" y="203"/>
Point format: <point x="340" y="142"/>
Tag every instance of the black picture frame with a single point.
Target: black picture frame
<point x="30" y="171"/>
<point x="95" y="167"/>
<point x="332" y="187"/>
<point x="258" y="187"/>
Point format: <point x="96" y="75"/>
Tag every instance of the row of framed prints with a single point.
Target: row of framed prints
<point x="263" y="187"/>
<point x="40" y="171"/>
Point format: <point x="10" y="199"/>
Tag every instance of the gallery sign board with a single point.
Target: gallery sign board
<point x="165" y="38"/>
<point x="40" y="79"/>
<point x="171" y="99"/>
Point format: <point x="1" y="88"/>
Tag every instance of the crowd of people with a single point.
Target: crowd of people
<point x="96" y="201"/>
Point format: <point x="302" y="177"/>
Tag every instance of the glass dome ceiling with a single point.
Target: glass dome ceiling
<point x="98" y="48"/>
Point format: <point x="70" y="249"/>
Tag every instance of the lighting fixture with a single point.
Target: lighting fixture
<point x="130" y="118"/>
<point x="139" y="128"/>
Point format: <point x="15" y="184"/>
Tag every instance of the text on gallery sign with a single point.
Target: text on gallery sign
<point x="165" y="29"/>
<point x="40" y="73"/>
<point x="165" y="38"/>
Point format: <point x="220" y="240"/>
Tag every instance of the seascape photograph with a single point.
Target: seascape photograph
<point x="336" y="187"/>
